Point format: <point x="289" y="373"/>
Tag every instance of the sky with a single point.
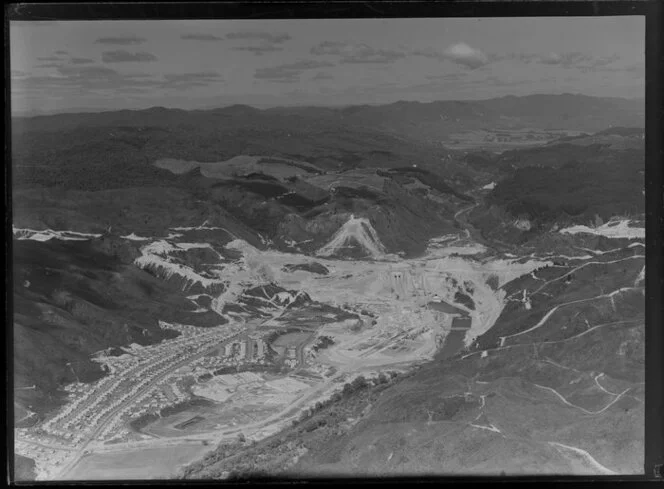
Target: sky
<point x="68" y="66"/>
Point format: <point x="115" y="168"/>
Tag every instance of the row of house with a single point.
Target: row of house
<point x="250" y="347"/>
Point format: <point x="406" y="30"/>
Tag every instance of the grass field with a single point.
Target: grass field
<point x="240" y="165"/>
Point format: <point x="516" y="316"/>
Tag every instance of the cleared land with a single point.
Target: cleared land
<point x="155" y="463"/>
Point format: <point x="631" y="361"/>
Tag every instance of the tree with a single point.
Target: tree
<point x="358" y="383"/>
<point x="347" y="389"/>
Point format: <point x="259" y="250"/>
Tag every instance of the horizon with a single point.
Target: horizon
<point x="92" y="110"/>
<point x="98" y="66"/>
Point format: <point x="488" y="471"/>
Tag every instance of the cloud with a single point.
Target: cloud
<point x="272" y="38"/>
<point x="201" y="37"/>
<point x="259" y="50"/>
<point x="122" y="56"/>
<point x="72" y="77"/>
<point x="180" y="77"/>
<point x="565" y="59"/>
<point x="582" y="61"/>
<point x="288" y="73"/>
<point x="357" y="53"/>
<point x="461" y="54"/>
<point x="465" y="55"/>
<point x="600" y="64"/>
<point x="473" y="58"/>
<point x="188" y="80"/>
<point x="122" y="41"/>
<point x="91" y="78"/>
<point x="268" y="42"/>
<point x="81" y="61"/>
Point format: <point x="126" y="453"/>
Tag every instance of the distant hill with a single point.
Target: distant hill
<point x="418" y="120"/>
<point x="299" y="151"/>
<point x="575" y="181"/>
<point x="115" y="150"/>
<point x="433" y="121"/>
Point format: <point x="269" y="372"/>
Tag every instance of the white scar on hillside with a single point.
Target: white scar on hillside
<point x="48" y="234"/>
<point x="156" y="256"/>
<point x="612" y="229"/>
<point x="358" y="230"/>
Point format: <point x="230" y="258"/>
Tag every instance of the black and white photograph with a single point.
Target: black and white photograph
<point x="305" y="248"/>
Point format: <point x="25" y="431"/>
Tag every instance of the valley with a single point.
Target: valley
<point x="401" y="314"/>
<point x="357" y="301"/>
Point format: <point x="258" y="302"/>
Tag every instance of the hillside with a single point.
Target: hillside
<point x="75" y="298"/>
<point x="112" y="151"/>
<point x="580" y="190"/>
<point x="585" y="180"/>
<point x="396" y="134"/>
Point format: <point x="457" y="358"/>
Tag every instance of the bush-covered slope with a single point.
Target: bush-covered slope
<point x="75" y="298"/>
<point x="577" y="189"/>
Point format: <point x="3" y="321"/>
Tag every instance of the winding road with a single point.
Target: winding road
<point x="555" y="308"/>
